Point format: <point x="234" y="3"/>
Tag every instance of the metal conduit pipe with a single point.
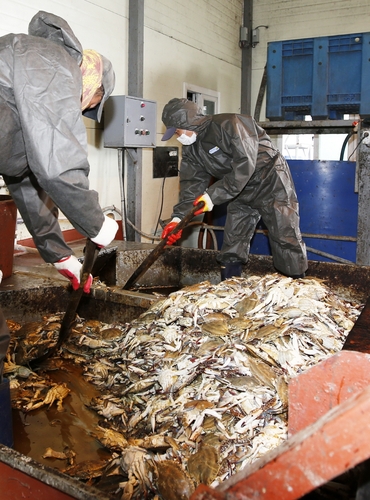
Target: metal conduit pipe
<point x="329" y="256"/>
<point x="212" y="230"/>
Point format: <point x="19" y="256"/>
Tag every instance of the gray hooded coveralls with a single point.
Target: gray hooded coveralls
<point x="43" y="141"/>
<point x="251" y="175"/>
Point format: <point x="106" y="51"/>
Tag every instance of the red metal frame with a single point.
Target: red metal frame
<point x="15" y="484"/>
<point x="330" y="408"/>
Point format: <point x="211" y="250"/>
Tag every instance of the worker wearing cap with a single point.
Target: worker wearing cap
<point x="47" y="83"/>
<point x="250" y="174"/>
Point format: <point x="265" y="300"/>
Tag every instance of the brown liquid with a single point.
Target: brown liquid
<point x="46" y="427"/>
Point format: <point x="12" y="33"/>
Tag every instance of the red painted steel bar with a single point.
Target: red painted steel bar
<point x="15" y="484"/>
<point x="331" y="382"/>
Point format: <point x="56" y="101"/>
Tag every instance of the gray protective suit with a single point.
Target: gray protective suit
<point x="251" y="175"/>
<point x="43" y="142"/>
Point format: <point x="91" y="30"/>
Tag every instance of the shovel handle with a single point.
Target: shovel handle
<point x="91" y="253"/>
<point x="154" y="254"/>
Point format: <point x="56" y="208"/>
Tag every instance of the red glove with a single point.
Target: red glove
<point x="70" y="268"/>
<point x="208" y="205"/>
<point x="170" y="227"/>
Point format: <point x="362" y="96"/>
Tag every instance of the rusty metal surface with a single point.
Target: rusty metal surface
<point x="179" y="266"/>
<point x="363" y="179"/>
<point x="308" y="127"/>
<point x="103" y="303"/>
<point x="358" y="338"/>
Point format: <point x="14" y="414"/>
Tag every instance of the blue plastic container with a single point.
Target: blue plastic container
<point x="325" y="77"/>
<point x="328" y="206"/>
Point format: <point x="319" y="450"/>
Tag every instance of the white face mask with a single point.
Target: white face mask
<point x="186" y="140"/>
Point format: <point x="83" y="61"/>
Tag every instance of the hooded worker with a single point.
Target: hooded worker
<point x="250" y="174"/>
<point x="46" y="82"/>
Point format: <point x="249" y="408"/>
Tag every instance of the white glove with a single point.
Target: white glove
<point x="70" y="267"/>
<point x="107" y="232"/>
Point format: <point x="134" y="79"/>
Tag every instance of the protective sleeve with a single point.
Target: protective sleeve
<point x="241" y="143"/>
<point x="40" y="216"/>
<point x="47" y="97"/>
<point x="194" y="180"/>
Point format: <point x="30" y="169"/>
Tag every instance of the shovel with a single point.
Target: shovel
<point x="91" y="252"/>
<point x="158" y="250"/>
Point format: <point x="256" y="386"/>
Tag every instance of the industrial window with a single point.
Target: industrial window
<point x="207" y="99"/>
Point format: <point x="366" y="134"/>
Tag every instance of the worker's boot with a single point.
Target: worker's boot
<point x="297" y="276"/>
<point x="6" y="426"/>
<point x="231" y="270"/>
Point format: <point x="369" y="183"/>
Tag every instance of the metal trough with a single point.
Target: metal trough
<point x="30" y="296"/>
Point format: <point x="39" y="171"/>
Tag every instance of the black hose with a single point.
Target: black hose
<point x="345" y="142"/>
<point x="261" y="93"/>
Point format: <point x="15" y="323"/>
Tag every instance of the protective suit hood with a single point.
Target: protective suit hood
<point x="56" y="29"/>
<point x="184" y="114"/>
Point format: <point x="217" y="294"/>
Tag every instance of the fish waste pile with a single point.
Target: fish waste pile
<point x="195" y="388"/>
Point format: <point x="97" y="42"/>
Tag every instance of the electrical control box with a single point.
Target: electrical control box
<point x="129" y="122"/>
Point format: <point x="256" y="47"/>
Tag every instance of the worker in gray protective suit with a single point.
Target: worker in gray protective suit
<point x="250" y="174"/>
<point x="43" y="141"/>
<point x="47" y="83"/>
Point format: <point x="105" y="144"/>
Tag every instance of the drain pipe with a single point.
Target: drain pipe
<point x="246" y="48"/>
